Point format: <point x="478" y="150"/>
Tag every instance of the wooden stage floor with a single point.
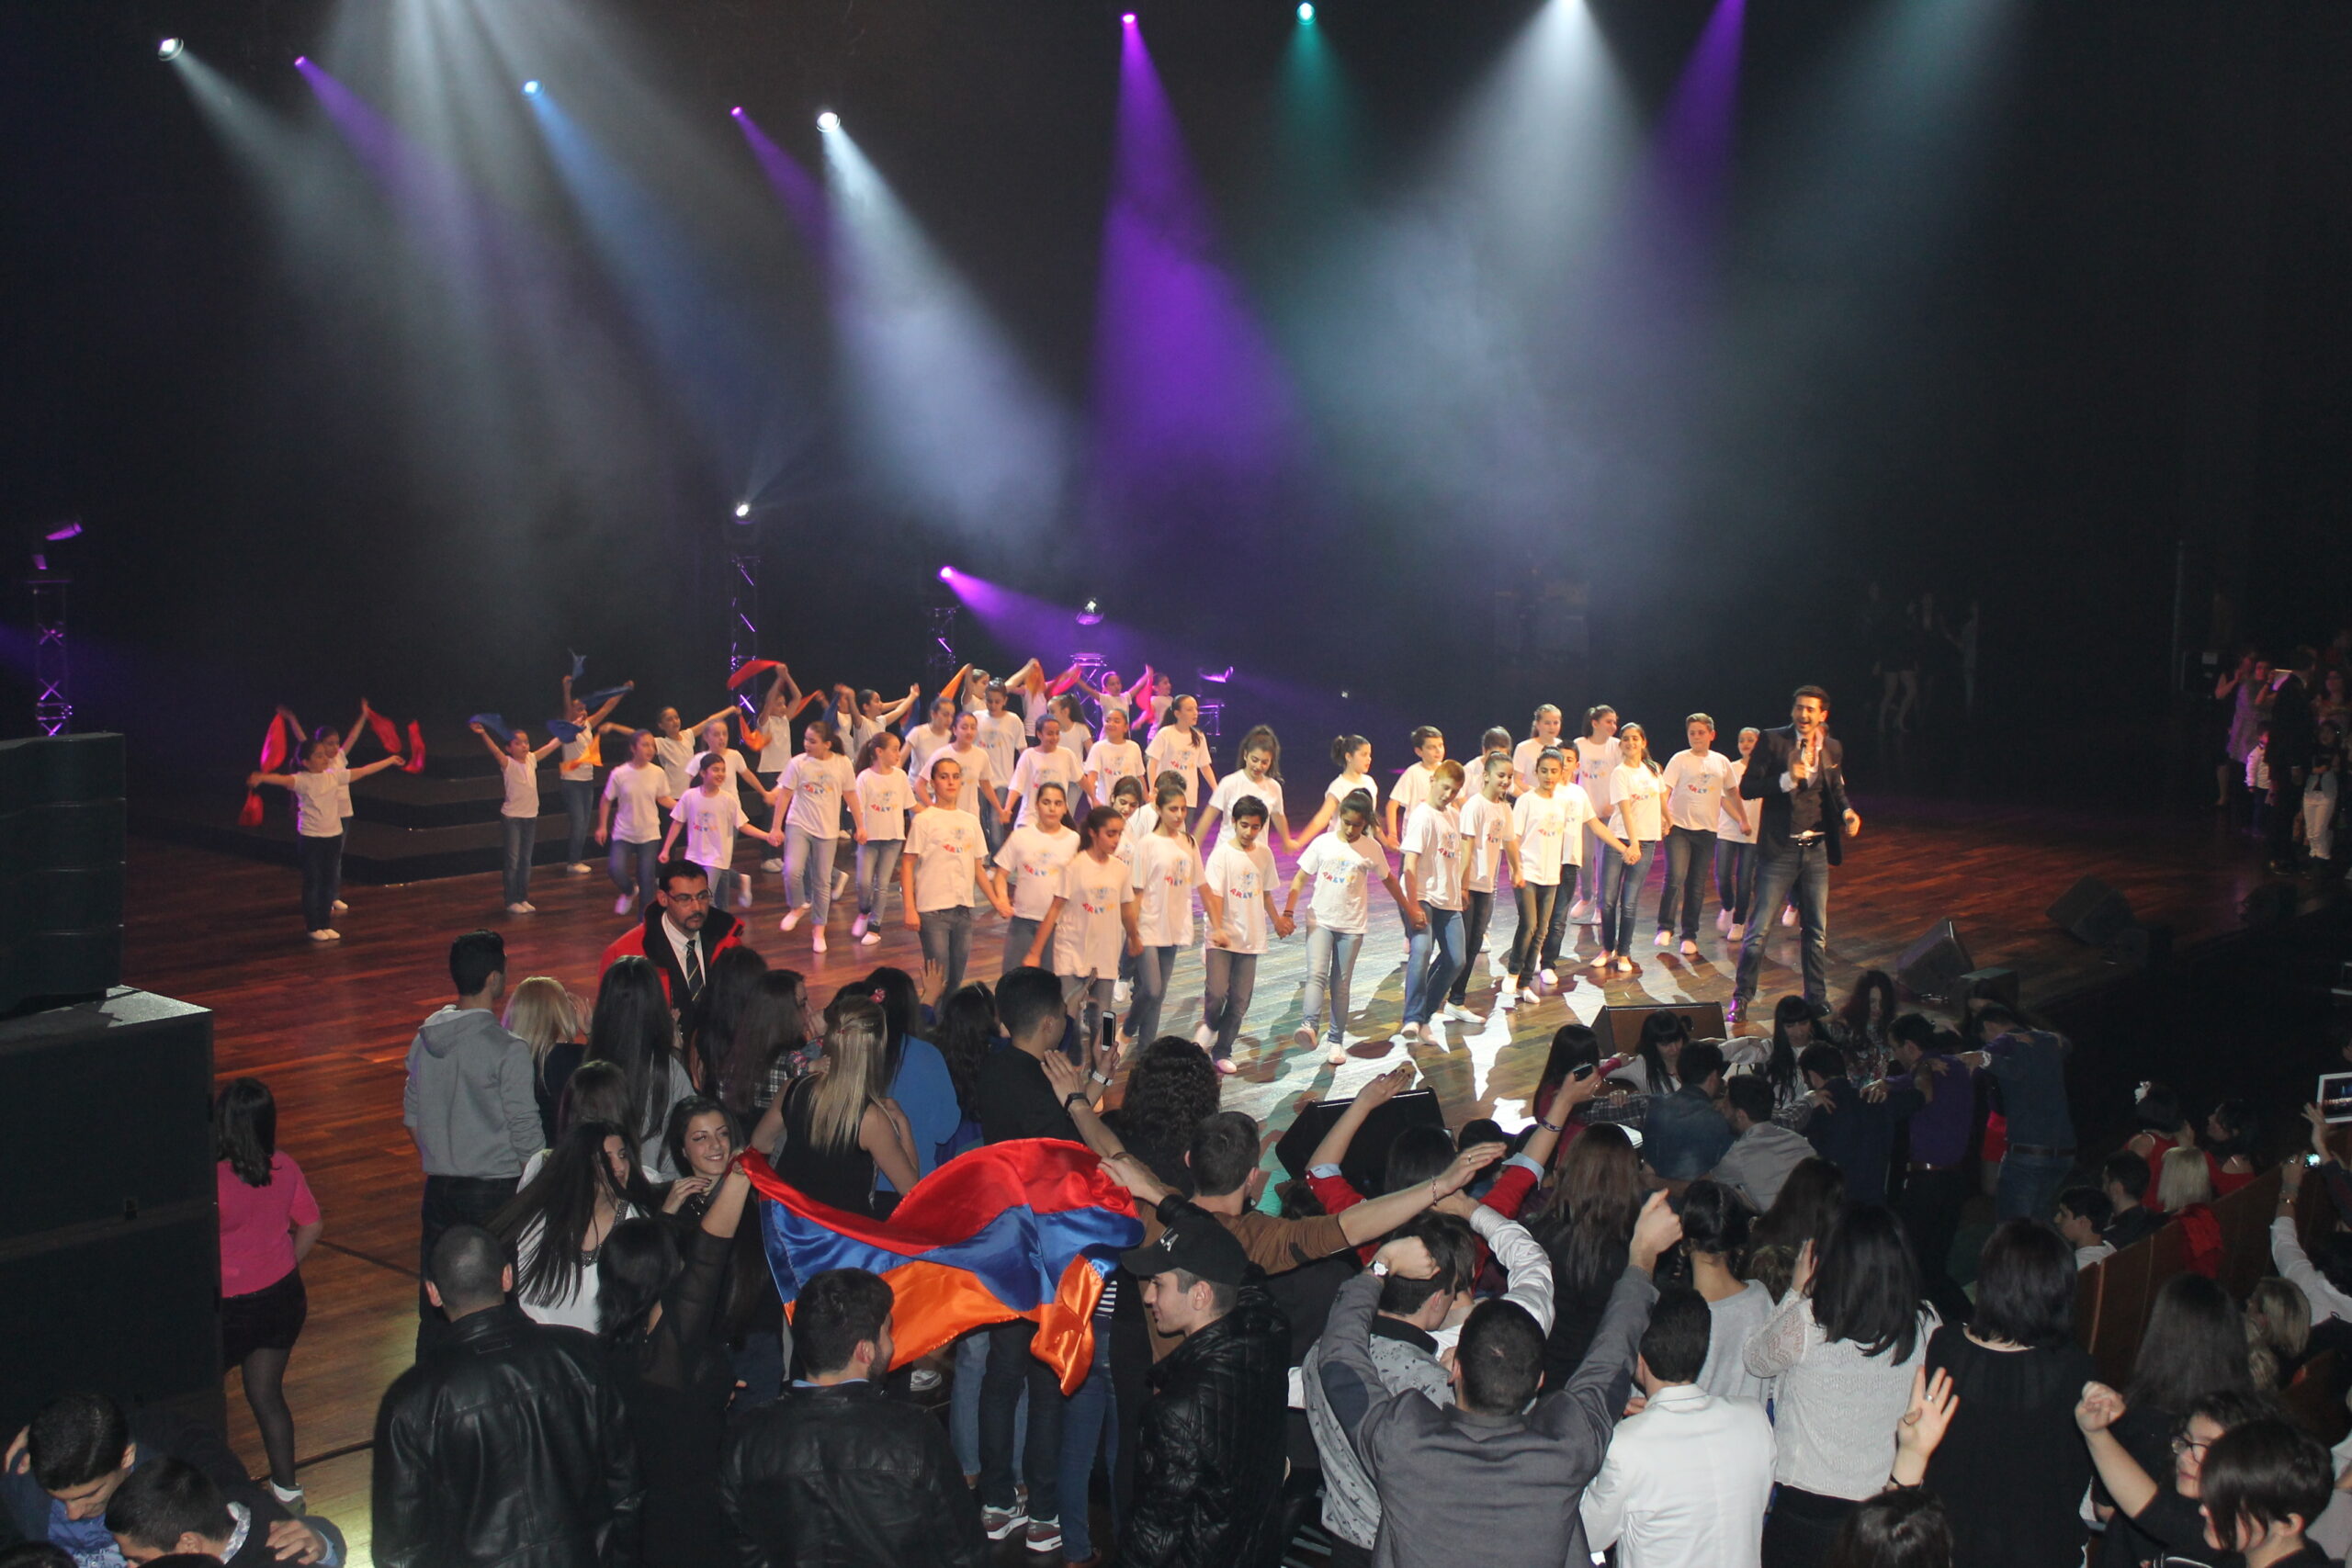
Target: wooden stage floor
<point x="329" y="1027"/>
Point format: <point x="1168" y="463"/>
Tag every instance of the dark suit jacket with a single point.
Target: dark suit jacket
<point x="720" y="932"/>
<point x="1763" y="781"/>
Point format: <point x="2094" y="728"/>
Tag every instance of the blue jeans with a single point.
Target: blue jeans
<point x="1621" y="896"/>
<point x="1088" y="1003"/>
<point x="1019" y="932"/>
<point x="809" y="871"/>
<point x="1330" y="965"/>
<point x="947" y="941"/>
<point x="580" y="815"/>
<point x="518" y="836"/>
<point x="1804" y="870"/>
<point x="1436" y="953"/>
<point x="1089" y="1425"/>
<point x="1587" y="872"/>
<point x="722" y="883"/>
<point x="1152" y="969"/>
<point x="1231" y="979"/>
<point x="1735" y="878"/>
<point x="1688" y="853"/>
<point x="636" y="870"/>
<point x="1538" y="902"/>
<point x="2030" y="1185"/>
<point x="877" y="862"/>
<point x="1477" y="912"/>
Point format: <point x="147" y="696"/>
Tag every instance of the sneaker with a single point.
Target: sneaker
<point x="1302" y="1035"/>
<point x="997" y="1523"/>
<point x="841" y="882"/>
<point x="923" y="1381"/>
<point x="791" y="919"/>
<point x="290" y="1498"/>
<point x="1549" y="975"/>
<point x="527" y="907"/>
<point x="817" y="941"/>
<point x="322" y="934"/>
<point x="1737" y="933"/>
<point x="857" y="927"/>
<point x="1225" y="1065"/>
<point x="1690" y="948"/>
<point x="1664" y="939"/>
<point x="577" y="868"/>
<point x="1044" y="1535"/>
<point x="1508" y="997"/>
<point x="1412" y="1031"/>
<point x="1625" y="964"/>
<point x="1203" y="1036"/>
<point x="869" y="938"/>
<point x="1122" y="993"/>
<point x="1456" y="1013"/>
<point x="1722" y="919"/>
<point x="772" y="863"/>
<point x="1580" y="913"/>
<point x="743" y="894"/>
<point x="621" y="904"/>
<point x="518" y="909"/>
<point x="341" y="908"/>
<point x="1789" y="916"/>
<point x="1337" y="1056"/>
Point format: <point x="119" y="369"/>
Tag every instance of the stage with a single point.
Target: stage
<point x="328" y="1027"/>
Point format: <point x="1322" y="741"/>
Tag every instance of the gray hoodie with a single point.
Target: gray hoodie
<point x="469" y="1096"/>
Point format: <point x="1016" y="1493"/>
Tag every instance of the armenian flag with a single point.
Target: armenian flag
<point x="1027" y="1229"/>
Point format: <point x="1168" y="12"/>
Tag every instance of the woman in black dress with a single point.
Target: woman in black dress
<point x="829" y="1133"/>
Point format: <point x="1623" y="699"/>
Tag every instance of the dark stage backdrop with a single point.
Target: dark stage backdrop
<point x="2017" y="340"/>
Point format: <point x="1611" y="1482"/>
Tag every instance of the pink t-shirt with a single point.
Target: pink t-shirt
<point x="256" y="1225"/>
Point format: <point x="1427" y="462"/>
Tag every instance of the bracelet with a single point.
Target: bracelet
<point x="1549" y="1127"/>
<point x="1099" y="1077"/>
<point x="1075" y="1097"/>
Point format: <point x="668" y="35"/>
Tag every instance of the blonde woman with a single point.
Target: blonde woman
<point x="2277" y="1331"/>
<point x="840" y="1127"/>
<point x="2185" y="1191"/>
<point x="550" y="1020"/>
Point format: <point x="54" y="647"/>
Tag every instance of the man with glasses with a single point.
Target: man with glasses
<point x="682" y="934"/>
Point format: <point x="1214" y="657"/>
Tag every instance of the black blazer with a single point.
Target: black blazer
<point x="1763" y="781"/>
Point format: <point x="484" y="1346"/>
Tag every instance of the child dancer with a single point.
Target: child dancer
<point x="1433" y="879"/>
<point x="710" y="814"/>
<point x="1028" y="870"/>
<point x="318" y="823"/>
<point x="1549" y="822"/>
<point x="1637" y="812"/>
<point x="1694" y="798"/>
<point x="1344" y="863"/>
<point x="673" y="744"/>
<point x="977" y="794"/>
<point x="1486" y="841"/>
<point x="713" y="739"/>
<point x="1180" y="748"/>
<point x="1258" y="776"/>
<point x="1353" y="755"/>
<point x="927" y="740"/>
<point x="1075" y="735"/>
<point x="1167" y="870"/>
<point x="883" y="799"/>
<point x="1113" y="696"/>
<point x="1736" y="846"/>
<point x="1046" y="762"/>
<point x="341" y="768"/>
<point x="1596" y="759"/>
<point x="1413" y="783"/>
<point x="939" y="873"/>
<point x="518" y="817"/>
<point x="1237" y="891"/>
<point x="1543" y="735"/>
<point x="1002" y="734"/>
<point x="817" y="783"/>
<point x="1497" y="738"/>
<point x="1113" y="758"/>
<point x="1160" y="694"/>
<point x="628" y="820"/>
<point x="576" y="769"/>
<point x="1087" y="921"/>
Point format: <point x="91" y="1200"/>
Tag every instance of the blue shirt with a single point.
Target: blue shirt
<point x="927" y="1095"/>
<point x="2031" y="1067"/>
<point x="1684" y="1136"/>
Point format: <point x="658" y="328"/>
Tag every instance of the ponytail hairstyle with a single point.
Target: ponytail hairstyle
<point x="1649" y="757"/>
<point x="702" y="769"/>
<point x="1543" y="711"/>
<point x="1358" y="802"/>
<point x="824" y="728"/>
<point x="1168" y="799"/>
<point x="1261" y="737"/>
<point x="1101" y="818"/>
<point x="1594" y="715"/>
<point x="872" y="748"/>
<point x="1128" y="785"/>
<point x="1344" y="747"/>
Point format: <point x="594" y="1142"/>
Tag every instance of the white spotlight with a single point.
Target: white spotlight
<point x="531" y="88"/>
<point x="1305" y="11"/>
<point x="829" y="121"/>
<point x="170" y="48"/>
<point x="742" y="509"/>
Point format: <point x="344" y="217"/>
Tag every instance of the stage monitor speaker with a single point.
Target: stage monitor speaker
<point x="110" y="1249"/>
<point x="1931" y="967"/>
<point x="2271" y="903"/>
<point x="1369" y="1153"/>
<point x="1620" y="1028"/>
<point x="2093" y="912"/>
<point x="61" y="868"/>
<point x="1992" y="984"/>
<point x="2145" y="947"/>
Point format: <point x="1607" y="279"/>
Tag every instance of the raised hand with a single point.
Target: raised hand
<point x="2100" y="1408"/>
<point x="1470" y="1162"/>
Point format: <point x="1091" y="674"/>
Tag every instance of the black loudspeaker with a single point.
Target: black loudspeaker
<point x="61" y="868"/>
<point x="1992" y="985"/>
<point x="109" y="1247"/>
<point x="2145" y="947"/>
<point x="1931" y="967"/>
<point x="2269" y="903"/>
<point x="1369" y="1153"/>
<point x="1620" y="1028"/>
<point x="2093" y="912"/>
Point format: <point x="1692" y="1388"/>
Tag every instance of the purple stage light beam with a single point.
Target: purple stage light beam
<point x="1694" y="143"/>
<point x="802" y="196"/>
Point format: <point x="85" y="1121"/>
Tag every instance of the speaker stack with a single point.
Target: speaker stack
<point x="2092" y="912"/>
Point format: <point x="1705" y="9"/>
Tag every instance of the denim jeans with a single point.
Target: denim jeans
<point x="1090" y="1427"/>
<point x="1735" y="878"/>
<point x="518" y="837"/>
<point x="1019" y="932"/>
<point x="947" y="941"/>
<point x="2031" y="1184"/>
<point x="964" y="1402"/>
<point x="1538" y="902"/>
<point x="1432" y="958"/>
<point x="449" y="1201"/>
<point x="1477" y="912"/>
<point x="1152" y="970"/>
<point x="1088" y="1003"/>
<point x="722" y="883"/>
<point x="809" y="871"/>
<point x="1330" y="965"/>
<point x="1587" y="872"/>
<point x="1231" y="980"/>
<point x="877" y="862"/>
<point x="1688" y="852"/>
<point x="636" y="870"/>
<point x="1011" y="1369"/>
<point x="1804" y="870"/>
<point x="322" y="877"/>
<point x="1621" y="897"/>
<point x="580" y="815"/>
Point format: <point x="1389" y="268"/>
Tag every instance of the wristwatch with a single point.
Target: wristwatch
<point x="1075" y="1097"/>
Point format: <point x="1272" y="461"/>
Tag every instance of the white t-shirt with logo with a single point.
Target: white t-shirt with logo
<point x="1523" y="757"/>
<point x="522" y="782"/>
<point x="883" y="800"/>
<point x="1167" y="871"/>
<point x="773" y="755"/>
<point x="1412" y="787"/>
<point x="1000" y="736"/>
<point x="1110" y="761"/>
<point x="946" y="848"/>
<point x="1595" y="762"/>
<point x="923" y="744"/>
<point x="1728" y="824"/>
<point x="1434" y="838"/>
<point x="974" y="760"/>
<point x="1343" y="874"/>
<point x="1240" y="877"/>
<point x="1485" y="824"/>
<point x="1032" y="862"/>
<point x="1695" y="789"/>
<point x="712" y="821"/>
<point x="1550" y="829"/>
<point x="817" y="789"/>
<point x="1038" y="766"/>
<point x="1339" y="789"/>
<point x="675" y="752"/>
<point x="1638" y="809"/>
<point x="1186" y="754"/>
<point x="1092" y="933"/>
<point x="1237" y="784"/>
<point x="636" y="792"/>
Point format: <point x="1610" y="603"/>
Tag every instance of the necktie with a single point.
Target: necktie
<point x="693" y="966"/>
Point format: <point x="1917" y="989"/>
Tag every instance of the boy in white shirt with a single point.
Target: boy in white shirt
<point x="1413" y="783"/>
<point x="1237" y="891"/>
<point x="1434" y="867"/>
<point x="1697" y="782"/>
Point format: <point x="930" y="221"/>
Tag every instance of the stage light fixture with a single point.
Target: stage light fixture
<point x="301" y="60"/>
<point x="531" y="88"/>
<point x="1090" y="613"/>
<point x="946" y="574"/>
<point x="1306" y="12"/>
<point x="829" y="121"/>
<point x="170" y="48"/>
<point x="737" y="111"/>
<point x="742" y="510"/>
<point x="1129" y="18"/>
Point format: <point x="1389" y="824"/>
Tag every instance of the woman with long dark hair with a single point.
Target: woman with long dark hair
<point x="634" y="1028"/>
<point x="557" y="1224"/>
<point x="1587" y="1226"/>
<point x="1869" y="1013"/>
<point x="2193" y="1348"/>
<point x="2012" y="1466"/>
<point x="702" y="1139"/>
<point x="1663" y="1033"/>
<point x="1714" y="1236"/>
<point x="735" y="973"/>
<point x="1844" y="1344"/>
<point x="1795" y="1026"/>
<point x="658" y="1309"/>
<point x="772" y="1045"/>
<point x="966" y="1031"/>
<point x="914" y="1069"/>
<point x="269" y="1222"/>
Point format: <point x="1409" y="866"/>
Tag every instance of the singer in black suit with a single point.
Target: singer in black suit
<point x="1799" y="774"/>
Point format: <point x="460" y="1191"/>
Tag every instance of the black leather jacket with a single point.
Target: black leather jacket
<point x="1209" y="1458"/>
<point x="506" y="1447"/>
<point x="831" y="1477"/>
